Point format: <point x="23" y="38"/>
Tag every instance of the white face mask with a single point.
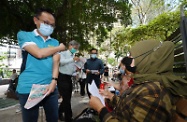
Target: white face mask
<point x="122" y="71"/>
<point x="45" y="29"/>
<point x="93" y="56"/>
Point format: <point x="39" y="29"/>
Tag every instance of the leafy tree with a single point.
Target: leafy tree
<point x="75" y="19"/>
<point x="158" y="29"/>
<point x="144" y="11"/>
<point x="112" y="61"/>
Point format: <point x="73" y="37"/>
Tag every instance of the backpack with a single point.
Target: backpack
<point x="11" y="93"/>
<point x="87" y="115"/>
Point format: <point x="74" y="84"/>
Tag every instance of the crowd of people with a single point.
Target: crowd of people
<point x="147" y="87"/>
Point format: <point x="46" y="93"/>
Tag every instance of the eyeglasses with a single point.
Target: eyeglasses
<point x="46" y="22"/>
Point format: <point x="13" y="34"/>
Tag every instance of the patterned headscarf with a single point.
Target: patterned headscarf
<point x="154" y="62"/>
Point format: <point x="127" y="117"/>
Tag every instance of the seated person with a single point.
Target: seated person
<point x="13" y="81"/>
<point x="154" y="90"/>
<point x="125" y="62"/>
<point x="12" y="85"/>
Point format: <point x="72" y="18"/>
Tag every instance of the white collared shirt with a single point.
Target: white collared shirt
<point x="67" y="64"/>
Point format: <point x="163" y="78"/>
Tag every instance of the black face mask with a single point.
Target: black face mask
<point x="127" y="62"/>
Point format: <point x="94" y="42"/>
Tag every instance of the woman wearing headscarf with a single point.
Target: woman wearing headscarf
<point x="152" y="96"/>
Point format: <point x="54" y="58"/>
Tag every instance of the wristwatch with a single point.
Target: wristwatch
<point x="53" y="78"/>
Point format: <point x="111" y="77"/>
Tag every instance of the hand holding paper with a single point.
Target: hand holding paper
<point x="36" y="95"/>
<point x="94" y="71"/>
<point x="95" y="91"/>
<point x="79" y="64"/>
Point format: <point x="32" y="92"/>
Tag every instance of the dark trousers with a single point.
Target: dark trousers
<point x="82" y="83"/>
<point x="65" y="89"/>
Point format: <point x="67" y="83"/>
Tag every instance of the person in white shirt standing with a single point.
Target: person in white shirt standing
<point x="82" y="76"/>
<point x="66" y="69"/>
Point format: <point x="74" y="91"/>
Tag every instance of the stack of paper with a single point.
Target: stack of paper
<point x="36" y="95"/>
<point x="95" y="91"/>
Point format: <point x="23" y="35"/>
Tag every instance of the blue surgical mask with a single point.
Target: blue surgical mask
<point x="121" y="71"/>
<point x="45" y="29"/>
<point x="93" y="56"/>
<point x="73" y="50"/>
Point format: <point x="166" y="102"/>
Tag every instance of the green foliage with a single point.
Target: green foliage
<point x="144" y="11"/>
<point x="2" y="57"/>
<point x="184" y="2"/>
<point x="1" y="65"/>
<point x="112" y="61"/>
<point x="158" y="29"/>
<point x="75" y="19"/>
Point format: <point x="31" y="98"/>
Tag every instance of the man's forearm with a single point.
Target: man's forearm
<point x="45" y="52"/>
<point x="56" y="60"/>
<point x="42" y="52"/>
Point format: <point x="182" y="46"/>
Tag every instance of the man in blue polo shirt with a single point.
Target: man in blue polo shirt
<point x="41" y="66"/>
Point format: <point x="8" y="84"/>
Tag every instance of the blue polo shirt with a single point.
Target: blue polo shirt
<point x="37" y="71"/>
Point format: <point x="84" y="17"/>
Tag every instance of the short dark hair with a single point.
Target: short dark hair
<point x="126" y="61"/>
<point x="39" y="11"/>
<point x="93" y="49"/>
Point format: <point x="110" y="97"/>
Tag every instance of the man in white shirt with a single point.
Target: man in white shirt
<point x="12" y="82"/>
<point x="14" y="75"/>
<point x="66" y="69"/>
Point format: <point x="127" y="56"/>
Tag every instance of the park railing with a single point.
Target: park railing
<point x="179" y="38"/>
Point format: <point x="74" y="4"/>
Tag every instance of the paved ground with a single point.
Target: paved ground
<point x="9" y="114"/>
